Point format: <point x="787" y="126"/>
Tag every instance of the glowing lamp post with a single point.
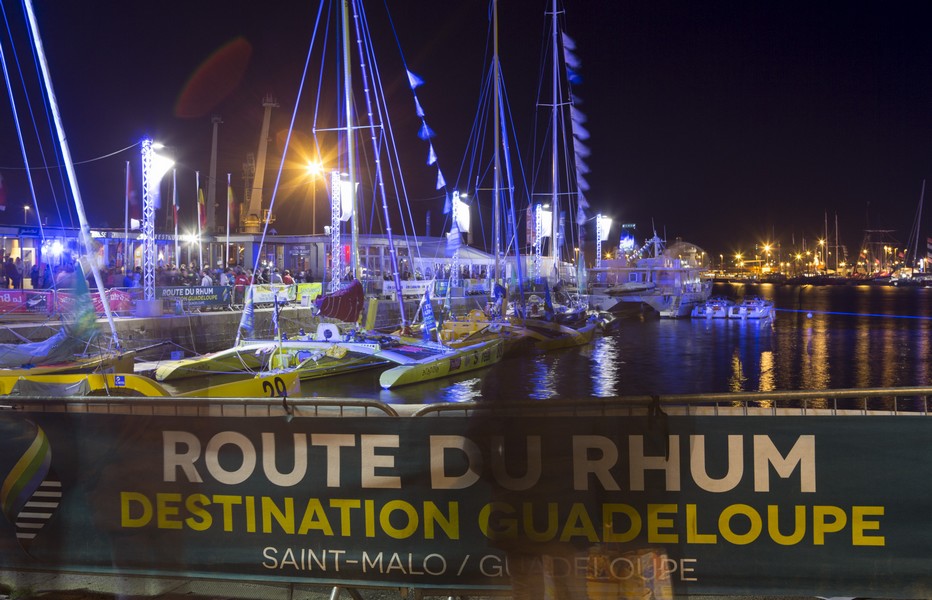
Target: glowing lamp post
<point x="602" y="225"/>
<point x="25" y="213"/>
<point x="154" y="168"/>
<point x="314" y="170"/>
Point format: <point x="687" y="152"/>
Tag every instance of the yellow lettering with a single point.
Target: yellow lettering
<point x="126" y="501"/>
<point x="284" y="518"/>
<point x="578" y="523"/>
<point x="821" y="525"/>
<point x="692" y="529"/>
<point x="654" y="523"/>
<point x="610" y="523"/>
<point x="859" y="525"/>
<point x="756" y="524"/>
<point x="165" y="511"/>
<point x="200" y="519"/>
<point x="773" y="525"/>
<point x="315" y="518"/>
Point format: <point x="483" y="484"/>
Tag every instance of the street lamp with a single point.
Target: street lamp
<point x="25" y="213"/>
<point x="314" y="170"/>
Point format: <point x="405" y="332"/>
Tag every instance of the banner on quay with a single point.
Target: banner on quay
<point x="195" y="296"/>
<point x="824" y="506"/>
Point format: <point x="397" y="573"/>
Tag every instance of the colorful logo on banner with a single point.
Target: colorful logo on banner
<point x="30" y="493"/>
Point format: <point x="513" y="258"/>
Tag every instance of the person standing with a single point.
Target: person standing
<point x="206" y="281"/>
<point x="20" y="269"/>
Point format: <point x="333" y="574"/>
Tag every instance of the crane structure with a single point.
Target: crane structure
<point x="253" y="218"/>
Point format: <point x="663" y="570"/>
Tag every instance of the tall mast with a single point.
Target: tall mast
<point x="212" y="177"/>
<point x="350" y="145"/>
<point x="69" y="168"/>
<point x="554" y="122"/>
<point x="496" y="203"/>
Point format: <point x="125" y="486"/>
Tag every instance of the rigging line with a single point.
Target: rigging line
<point x="48" y="167"/>
<point x="436" y="163"/>
<point x="281" y="165"/>
<point x="19" y="132"/>
<point x="392" y="147"/>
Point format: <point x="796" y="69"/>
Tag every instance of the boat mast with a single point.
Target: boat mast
<point x="69" y="168"/>
<point x="496" y="204"/>
<point x="350" y="145"/>
<point x="554" y="122"/>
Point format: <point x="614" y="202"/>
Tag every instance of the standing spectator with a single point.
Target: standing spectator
<point x="45" y="276"/>
<point x="276" y="276"/>
<point x="287" y="279"/>
<point x="226" y="278"/>
<point x="128" y="279"/>
<point x="20" y="270"/>
<point x="206" y="281"/>
<point x="9" y="270"/>
<point x="34" y="276"/>
<point x="240" y="281"/>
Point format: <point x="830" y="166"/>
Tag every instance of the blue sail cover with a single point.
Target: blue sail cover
<point x="71" y="340"/>
<point x="427" y="310"/>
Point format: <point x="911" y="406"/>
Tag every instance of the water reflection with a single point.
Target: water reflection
<point x="605" y="359"/>
<point x="822" y="338"/>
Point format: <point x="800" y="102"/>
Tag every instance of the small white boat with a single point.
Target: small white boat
<point x="752" y="307"/>
<point x="717" y="307"/>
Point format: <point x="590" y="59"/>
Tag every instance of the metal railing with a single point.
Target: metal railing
<point x="880" y="402"/>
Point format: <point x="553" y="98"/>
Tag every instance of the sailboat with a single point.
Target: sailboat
<point x="330" y="351"/>
<point x="50" y="368"/>
<point x="525" y="317"/>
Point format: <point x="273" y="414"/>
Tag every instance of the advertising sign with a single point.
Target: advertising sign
<point x="706" y="505"/>
<point x="197" y="296"/>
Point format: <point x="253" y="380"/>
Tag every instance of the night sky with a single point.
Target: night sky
<point x="724" y="123"/>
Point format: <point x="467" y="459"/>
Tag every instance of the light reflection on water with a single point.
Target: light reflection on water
<point x="856" y="337"/>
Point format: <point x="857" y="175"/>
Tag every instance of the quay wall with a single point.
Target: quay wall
<point x="208" y="331"/>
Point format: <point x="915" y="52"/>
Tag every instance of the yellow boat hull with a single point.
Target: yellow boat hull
<point x="265" y="385"/>
<point x="461" y="360"/>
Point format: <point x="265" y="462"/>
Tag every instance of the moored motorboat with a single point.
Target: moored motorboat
<point x="716" y="307"/>
<point x="752" y="307"/>
<point x="669" y="279"/>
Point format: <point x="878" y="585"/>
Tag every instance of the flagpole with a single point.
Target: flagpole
<point x="229" y="209"/>
<point x="126" y="223"/>
<point x="175" y="214"/>
<point x="200" y="253"/>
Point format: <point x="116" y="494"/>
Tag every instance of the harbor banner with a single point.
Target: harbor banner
<point x="48" y="301"/>
<point x="749" y="505"/>
<point x="196" y="296"/>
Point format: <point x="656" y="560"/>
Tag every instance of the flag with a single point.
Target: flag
<point x="427" y="310"/>
<point x="201" y="210"/>
<point x="133" y="207"/>
<point x="231" y="206"/>
<point x="175" y="207"/>
<point x="246" y="324"/>
<point x="414" y="80"/>
<point x="2" y="195"/>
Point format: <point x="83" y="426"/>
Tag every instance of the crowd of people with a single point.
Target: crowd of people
<point x="42" y="276"/>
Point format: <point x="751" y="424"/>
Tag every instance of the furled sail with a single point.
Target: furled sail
<point x="345" y="304"/>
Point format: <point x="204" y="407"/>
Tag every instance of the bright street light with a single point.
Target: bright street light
<point x="314" y="170"/>
<point x="25" y="213"/>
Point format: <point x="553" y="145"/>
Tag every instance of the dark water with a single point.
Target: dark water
<point x="828" y="337"/>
